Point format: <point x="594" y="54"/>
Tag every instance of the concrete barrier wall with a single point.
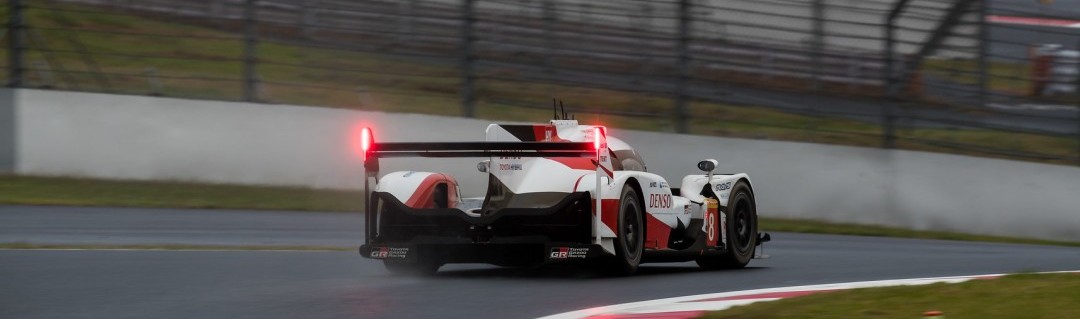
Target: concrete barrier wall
<point x="7" y="131"/>
<point x="130" y="137"/>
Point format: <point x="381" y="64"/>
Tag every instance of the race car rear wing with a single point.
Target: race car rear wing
<point x="483" y="149"/>
<point x="373" y="151"/>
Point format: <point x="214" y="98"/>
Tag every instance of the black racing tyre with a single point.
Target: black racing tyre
<point x="630" y="243"/>
<point x="420" y="268"/>
<point x="742" y="230"/>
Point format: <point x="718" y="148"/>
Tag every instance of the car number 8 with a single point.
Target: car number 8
<point x="710" y="225"/>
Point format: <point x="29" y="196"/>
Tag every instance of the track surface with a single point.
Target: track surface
<point x="273" y="284"/>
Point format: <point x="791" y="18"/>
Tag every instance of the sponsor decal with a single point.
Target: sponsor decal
<point x="390" y="252"/>
<point x="568" y="252"/>
<point x="658" y="184"/>
<point x="659" y="200"/>
<point x="714" y="222"/>
<point x="710" y="225"/>
<point x="723" y="186"/>
<point x="510" y="167"/>
<point x="723" y="229"/>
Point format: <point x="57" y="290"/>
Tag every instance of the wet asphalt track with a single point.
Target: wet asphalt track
<point x="276" y="284"/>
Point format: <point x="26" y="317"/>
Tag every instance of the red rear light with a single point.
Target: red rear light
<point x="597" y="136"/>
<point x="365" y="141"/>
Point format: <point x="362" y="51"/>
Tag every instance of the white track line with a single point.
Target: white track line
<point x="725" y="300"/>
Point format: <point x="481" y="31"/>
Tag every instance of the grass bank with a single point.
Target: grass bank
<point x="32" y="246"/>
<point x="25" y="190"/>
<point x="1014" y="296"/>
<point x="22" y="190"/>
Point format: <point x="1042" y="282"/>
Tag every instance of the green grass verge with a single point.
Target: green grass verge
<point x="25" y="190"/>
<point x="331" y="77"/>
<point x="820" y="227"/>
<point x="23" y="245"/>
<point x="94" y="192"/>
<point x="1013" y="296"/>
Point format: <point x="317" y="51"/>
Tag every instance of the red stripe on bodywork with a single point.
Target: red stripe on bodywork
<point x="609" y="173"/>
<point x="768" y="295"/>
<point x="575" y="162"/>
<point x="424" y="195"/>
<point x="610" y="216"/>
<point x="539" y="131"/>
<point x="655" y="315"/>
<point x="657" y="233"/>
<point x="579" y="182"/>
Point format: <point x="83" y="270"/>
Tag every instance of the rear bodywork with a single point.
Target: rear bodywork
<point x="540" y="203"/>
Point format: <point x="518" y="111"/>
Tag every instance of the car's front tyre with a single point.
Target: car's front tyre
<point x="742" y="230"/>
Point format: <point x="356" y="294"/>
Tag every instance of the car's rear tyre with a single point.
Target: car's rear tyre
<point x="742" y="230"/>
<point x="630" y="243"/>
<point x="420" y="268"/>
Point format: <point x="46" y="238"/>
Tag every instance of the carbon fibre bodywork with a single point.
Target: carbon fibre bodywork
<point x="567" y="221"/>
<point x="509" y="236"/>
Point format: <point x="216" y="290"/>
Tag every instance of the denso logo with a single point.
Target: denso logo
<point x="659" y="200"/>
<point x="510" y="167"/>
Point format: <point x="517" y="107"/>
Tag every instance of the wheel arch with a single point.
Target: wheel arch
<point x="748" y="185"/>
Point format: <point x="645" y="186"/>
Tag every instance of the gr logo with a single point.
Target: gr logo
<point x="568" y="252"/>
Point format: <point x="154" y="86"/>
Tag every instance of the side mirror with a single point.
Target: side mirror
<point x="707" y="165"/>
<point x="482" y="166"/>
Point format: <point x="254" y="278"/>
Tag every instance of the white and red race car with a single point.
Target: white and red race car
<point x="540" y="205"/>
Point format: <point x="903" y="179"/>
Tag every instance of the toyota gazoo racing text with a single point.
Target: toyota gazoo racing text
<point x="540" y="205"/>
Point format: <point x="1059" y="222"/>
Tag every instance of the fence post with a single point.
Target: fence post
<point x="549" y="36"/>
<point x="468" y="107"/>
<point x="891" y="80"/>
<point x="984" y="44"/>
<point x="250" y="42"/>
<point x="818" y="42"/>
<point x="684" y="67"/>
<point x="306" y="17"/>
<point x="405" y="21"/>
<point x="15" y="43"/>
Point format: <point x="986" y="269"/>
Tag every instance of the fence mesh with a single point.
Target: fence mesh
<point x="963" y="76"/>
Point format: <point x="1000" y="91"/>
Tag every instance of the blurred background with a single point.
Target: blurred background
<point x="991" y="78"/>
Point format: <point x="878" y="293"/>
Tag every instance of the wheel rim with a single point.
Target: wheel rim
<point x="631" y="229"/>
<point x="743" y="224"/>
